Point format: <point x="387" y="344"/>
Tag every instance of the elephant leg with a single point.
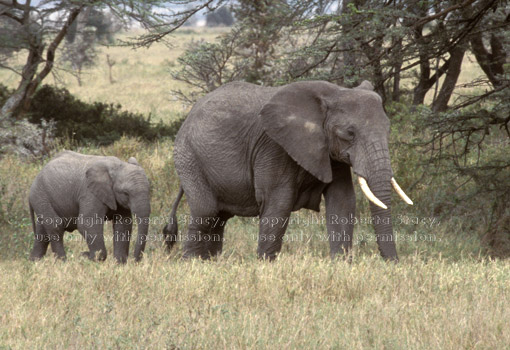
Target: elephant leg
<point x="203" y="210"/>
<point x="275" y="192"/>
<point x="122" y="227"/>
<point x="205" y="236"/>
<point x="41" y="242"/>
<point x="195" y="243"/>
<point x="214" y="244"/>
<point x="92" y="231"/>
<point x="272" y="227"/>
<point x="340" y="210"/>
<point x="275" y="210"/>
<point x="50" y="230"/>
<point x="57" y="242"/>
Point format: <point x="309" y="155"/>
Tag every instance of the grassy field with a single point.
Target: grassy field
<point x="445" y="293"/>
<point x="300" y="302"/>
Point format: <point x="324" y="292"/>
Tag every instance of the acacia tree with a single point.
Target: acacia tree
<point x="80" y="49"/>
<point x="91" y="27"/>
<point x="250" y="51"/>
<point x="40" y="29"/>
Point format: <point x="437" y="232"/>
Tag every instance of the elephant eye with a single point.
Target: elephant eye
<point x="345" y="134"/>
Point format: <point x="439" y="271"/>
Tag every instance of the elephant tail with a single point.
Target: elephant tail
<point x="32" y="217"/>
<point x="170" y="231"/>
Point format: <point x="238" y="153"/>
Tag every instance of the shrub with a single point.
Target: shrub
<point x="5" y="92"/>
<point x="98" y="123"/>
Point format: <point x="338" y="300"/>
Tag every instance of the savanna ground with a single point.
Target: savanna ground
<point x="445" y="293"/>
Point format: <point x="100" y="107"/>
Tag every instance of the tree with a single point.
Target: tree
<point x="251" y="50"/>
<point x="206" y="66"/>
<point x="220" y="17"/>
<point x="261" y="25"/>
<point x="490" y="46"/>
<point x="80" y="49"/>
<point x="42" y="28"/>
<point x="90" y="27"/>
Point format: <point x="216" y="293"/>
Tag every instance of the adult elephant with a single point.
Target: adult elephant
<point x="76" y="191"/>
<point x="249" y="150"/>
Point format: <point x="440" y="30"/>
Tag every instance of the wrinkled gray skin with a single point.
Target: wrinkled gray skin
<point x="249" y="150"/>
<point x="76" y="191"/>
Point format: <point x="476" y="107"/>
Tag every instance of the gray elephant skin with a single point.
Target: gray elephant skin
<point x="76" y="191"/>
<point x="248" y="150"/>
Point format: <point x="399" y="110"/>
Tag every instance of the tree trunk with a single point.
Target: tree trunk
<point x="426" y="82"/>
<point x="397" y="67"/>
<point x="110" y="64"/>
<point x="492" y="63"/>
<point x="19" y="102"/>
<point x="78" y="46"/>
<point x="373" y="54"/>
<point x="29" y="70"/>
<point x="454" y="68"/>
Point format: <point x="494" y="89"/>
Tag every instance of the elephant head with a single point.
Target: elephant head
<point x="121" y="185"/>
<point x="319" y="121"/>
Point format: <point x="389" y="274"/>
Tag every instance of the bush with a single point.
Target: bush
<point x="98" y="123"/>
<point x="5" y="92"/>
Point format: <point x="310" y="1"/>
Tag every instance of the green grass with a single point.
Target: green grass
<point x="445" y="293"/>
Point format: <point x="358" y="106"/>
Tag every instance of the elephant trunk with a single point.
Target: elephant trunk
<point x="381" y="186"/>
<point x="378" y="174"/>
<point x="142" y="213"/>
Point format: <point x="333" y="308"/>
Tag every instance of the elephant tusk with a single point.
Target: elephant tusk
<point x="371" y="197"/>
<point x="400" y="192"/>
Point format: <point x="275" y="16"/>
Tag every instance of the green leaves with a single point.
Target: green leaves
<point x="98" y="123"/>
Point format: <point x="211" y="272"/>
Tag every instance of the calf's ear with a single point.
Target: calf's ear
<point x="100" y="183"/>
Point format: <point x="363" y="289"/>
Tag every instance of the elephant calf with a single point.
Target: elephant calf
<point x="76" y="191"/>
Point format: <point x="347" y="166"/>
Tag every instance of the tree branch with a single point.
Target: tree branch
<point x="11" y="16"/>
<point x="50" y="57"/>
<point x="10" y="68"/>
<point x="181" y="18"/>
<point x="12" y="4"/>
<point x="430" y="18"/>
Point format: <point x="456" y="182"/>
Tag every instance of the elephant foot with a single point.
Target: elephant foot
<point x="62" y="258"/>
<point x="122" y="259"/>
<point x="342" y="256"/>
<point x="267" y="257"/>
<point x="93" y="256"/>
<point x="35" y="258"/>
<point x="170" y="234"/>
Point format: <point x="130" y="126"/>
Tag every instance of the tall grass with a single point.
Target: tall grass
<point x="300" y="302"/>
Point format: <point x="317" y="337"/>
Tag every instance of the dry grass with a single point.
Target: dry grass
<point x="299" y="302"/>
<point x="142" y="77"/>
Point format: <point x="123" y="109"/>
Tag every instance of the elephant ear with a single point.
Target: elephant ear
<point x="294" y="119"/>
<point x="365" y="85"/>
<point x="132" y="160"/>
<point x="100" y="184"/>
